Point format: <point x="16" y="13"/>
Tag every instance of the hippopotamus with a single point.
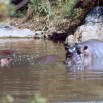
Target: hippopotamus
<point x="7" y="52"/>
<point x="84" y="53"/>
<point x="5" y="61"/>
<point x="47" y="59"/>
<point x="6" y="57"/>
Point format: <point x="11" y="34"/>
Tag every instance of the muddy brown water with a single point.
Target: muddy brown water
<point x="24" y="77"/>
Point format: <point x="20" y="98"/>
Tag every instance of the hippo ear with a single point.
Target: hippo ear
<point x="85" y="48"/>
<point x="76" y="43"/>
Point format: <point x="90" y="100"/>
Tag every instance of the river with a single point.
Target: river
<point x="53" y="81"/>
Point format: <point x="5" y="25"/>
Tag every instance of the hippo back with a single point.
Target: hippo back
<point x="47" y="59"/>
<point x="95" y="47"/>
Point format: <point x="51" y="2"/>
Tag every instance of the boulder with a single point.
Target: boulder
<point x="92" y="28"/>
<point x="11" y="31"/>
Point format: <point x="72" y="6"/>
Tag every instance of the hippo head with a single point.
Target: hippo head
<point x="75" y="55"/>
<point x="5" y="61"/>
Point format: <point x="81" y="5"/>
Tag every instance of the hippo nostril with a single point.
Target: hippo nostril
<point x="69" y="54"/>
<point x="79" y="52"/>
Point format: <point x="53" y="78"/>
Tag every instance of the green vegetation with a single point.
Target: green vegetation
<point x="51" y="8"/>
<point x="37" y="99"/>
<point x="68" y="8"/>
<point x="57" y="13"/>
<point x="60" y="14"/>
<point x="19" y="14"/>
<point x="6" y="99"/>
<point x="32" y="99"/>
<point x="41" y="8"/>
<point x="6" y="8"/>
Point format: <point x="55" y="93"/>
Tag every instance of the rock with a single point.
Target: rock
<point x="11" y="31"/>
<point x="92" y="29"/>
<point x="89" y="31"/>
<point x="38" y="34"/>
<point x="44" y="33"/>
<point x="95" y="15"/>
<point x="70" y="40"/>
<point x="48" y="33"/>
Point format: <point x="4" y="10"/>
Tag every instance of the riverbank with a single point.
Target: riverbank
<point x="16" y="28"/>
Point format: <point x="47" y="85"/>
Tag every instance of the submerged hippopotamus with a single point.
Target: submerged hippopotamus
<point x="47" y="59"/>
<point x="7" y="52"/>
<point x="5" y="61"/>
<point x="84" y="53"/>
<point x="6" y="57"/>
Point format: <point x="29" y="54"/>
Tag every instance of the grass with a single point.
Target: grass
<point x="32" y="99"/>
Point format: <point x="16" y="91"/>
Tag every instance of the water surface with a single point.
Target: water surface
<point x="25" y="77"/>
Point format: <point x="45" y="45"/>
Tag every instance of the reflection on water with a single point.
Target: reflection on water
<point x="25" y="77"/>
